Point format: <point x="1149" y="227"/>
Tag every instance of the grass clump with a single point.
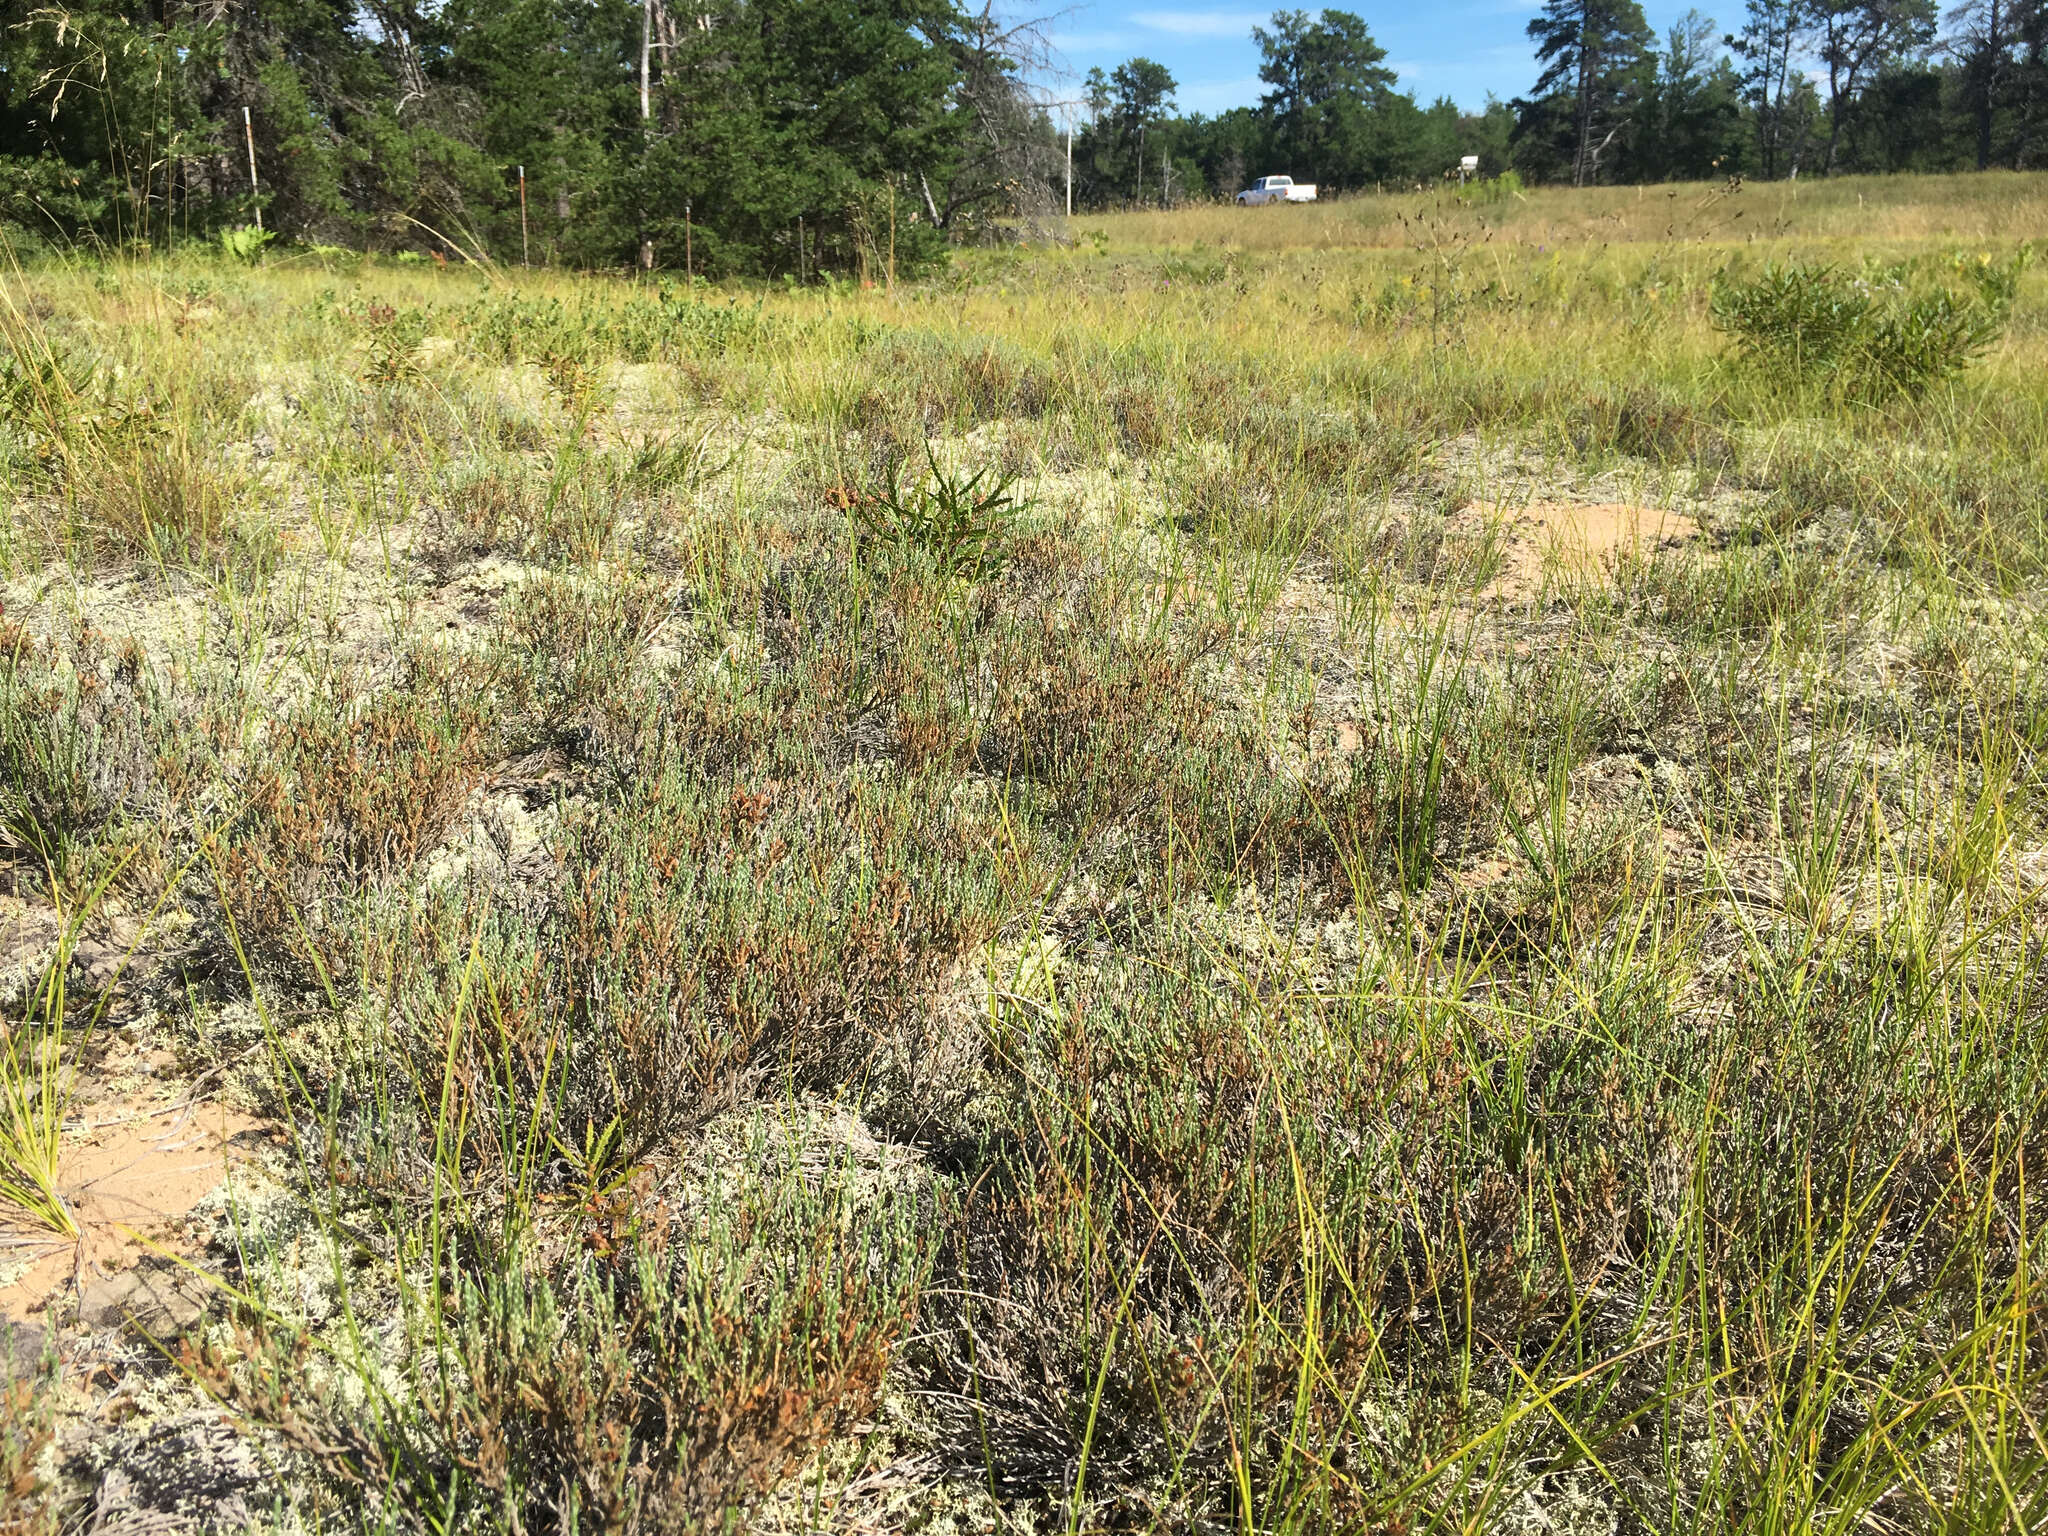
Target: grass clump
<point x="662" y="1381"/>
<point x="956" y="520"/>
<point x="36" y="1086"/>
<point x="90" y="747"/>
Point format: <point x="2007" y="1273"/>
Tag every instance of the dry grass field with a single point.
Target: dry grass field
<point x="1376" y="868"/>
<point x="1856" y="210"/>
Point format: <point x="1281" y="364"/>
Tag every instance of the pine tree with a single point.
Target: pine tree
<point x="1773" y="38"/>
<point x="1693" y="117"/>
<point x="1329" y="84"/>
<point x="2001" y="50"/>
<point x="1856" y="39"/>
<point x="101" y="121"/>
<point x="1142" y="97"/>
<point x="550" y="87"/>
<point x="1596" y="54"/>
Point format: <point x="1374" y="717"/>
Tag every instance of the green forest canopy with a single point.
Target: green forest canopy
<point x="798" y="137"/>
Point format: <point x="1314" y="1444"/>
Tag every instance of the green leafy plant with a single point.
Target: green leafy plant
<point x="955" y="519"/>
<point x="1492" y="189"/>
<point x="1814" y="327"/>
<point x="1796" y="322"/>
<point x="1923" y="342"/>
<point x="245" y="242"/>
<point x="1997" y="282"/>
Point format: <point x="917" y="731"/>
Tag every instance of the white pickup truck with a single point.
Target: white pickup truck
<point x="1276" y="189"/>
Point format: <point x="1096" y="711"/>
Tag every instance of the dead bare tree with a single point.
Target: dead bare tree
<point x="1008" y="174"/>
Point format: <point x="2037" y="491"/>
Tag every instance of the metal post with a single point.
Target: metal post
<point x="689" y="248"/>
<point x="1070" y="165"/>
<point x="249" y="133"/>
<point x="525" y="251"/>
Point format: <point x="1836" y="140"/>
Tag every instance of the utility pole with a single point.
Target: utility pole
<point x="249" y="133"/>
<point x="1066" y="108"/>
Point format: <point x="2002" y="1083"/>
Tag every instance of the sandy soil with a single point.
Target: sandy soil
<point x="132" y="1172"/>
<point x="1585" y="538"/>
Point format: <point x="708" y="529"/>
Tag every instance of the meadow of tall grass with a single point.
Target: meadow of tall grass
<point x="1037" y="901"/>
<point x="1853" y="209"/>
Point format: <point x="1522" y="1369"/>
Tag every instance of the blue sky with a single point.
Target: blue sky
<point x="1461" y="49"/>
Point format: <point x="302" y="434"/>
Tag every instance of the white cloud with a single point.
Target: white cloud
<point x="1201" y="23"/>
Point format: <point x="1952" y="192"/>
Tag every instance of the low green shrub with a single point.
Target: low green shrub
<point x="668" y="327"/>
<point x="1870" y="336"/>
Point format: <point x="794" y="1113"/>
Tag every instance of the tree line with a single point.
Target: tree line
<point x="1797" y="87"/>
<point x="800" y="137"/>
<point x="751" y="137"/>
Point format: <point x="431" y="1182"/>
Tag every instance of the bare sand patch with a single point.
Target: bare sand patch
<point x="131" y="1172"/>
<point x="1584" y="538"/>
